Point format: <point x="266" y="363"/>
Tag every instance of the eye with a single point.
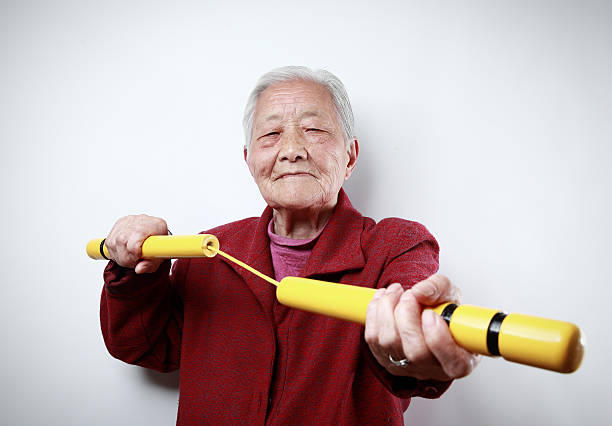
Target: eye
<point x="313" y="129"/>
<point x="270" y="134"/>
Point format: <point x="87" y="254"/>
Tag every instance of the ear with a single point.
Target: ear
<point x="353" y="153"/>
<point x="246" y="160"/>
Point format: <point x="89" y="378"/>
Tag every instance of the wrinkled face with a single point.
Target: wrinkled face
<point x="298" y="156"/>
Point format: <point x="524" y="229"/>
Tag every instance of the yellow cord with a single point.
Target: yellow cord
<point x="244" y="265"/>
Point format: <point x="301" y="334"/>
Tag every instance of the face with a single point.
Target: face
<point x="298" y="156"/>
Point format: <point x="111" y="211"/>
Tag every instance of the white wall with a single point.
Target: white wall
<point x="488" y="121"/>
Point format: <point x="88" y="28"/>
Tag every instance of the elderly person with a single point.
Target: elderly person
<point x="243" y="357"/>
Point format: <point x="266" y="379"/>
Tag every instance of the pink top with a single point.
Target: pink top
<point x="289" y="256"/>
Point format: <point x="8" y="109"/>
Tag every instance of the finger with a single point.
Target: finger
<point x="408" y="322"/>
<point x="435" y="290"/>
<point x="148" y="266"/>
<point x="455" y="361"/>
<point x="109" y="243"/>
<point x="119" y="253"/>
<point x="389" y="341"/>
<point x="132" y="251"/>
<point x="373" y="328"/>
<point x="371" y="325"/>
<point x="127" y="255"/>
<point x="134" y="244"/>
<point x="125" y="240"/>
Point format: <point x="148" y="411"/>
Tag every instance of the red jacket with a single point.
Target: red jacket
<point x="246" y="359"/>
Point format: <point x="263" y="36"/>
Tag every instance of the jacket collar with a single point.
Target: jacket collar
<point x="338" y="248"/>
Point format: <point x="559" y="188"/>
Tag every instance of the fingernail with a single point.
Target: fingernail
<point x="428" y="318"/>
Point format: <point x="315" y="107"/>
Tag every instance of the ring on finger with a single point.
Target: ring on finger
<point x="399" y="362"/>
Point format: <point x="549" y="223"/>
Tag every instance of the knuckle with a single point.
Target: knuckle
<point x="134" y="245"/>
<point x="128" y="254"/>
<point x="370" y="337"/>
<point x="445" y="279"/>
<point x="407" y="301"/>
<point x="420" y="355"/>
<point x="387" y="340"/>
<point x="120" y="239"/>
<point x="441" y="281"/>
<point x="110" y="242"/>
<point x="402" y="307"/>
<point x="408" y="335"/>
<point x="372" y="305"/>
<point x="406" y="324"/>
<point x="370" y="332"/>
<point x="394" y="287"/>
<point x="456" y="294"/>
<point x="458" y="368"/>
<point x="371" y="309"/>
<point x="131" y="218"/>
<point x="435" y="338"/>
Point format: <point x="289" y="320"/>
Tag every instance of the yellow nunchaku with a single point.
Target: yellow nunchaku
<point x="539" y="342"/>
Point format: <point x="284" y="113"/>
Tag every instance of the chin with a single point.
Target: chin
<point x="305" y="196"/>
<point x="298" y="200"/>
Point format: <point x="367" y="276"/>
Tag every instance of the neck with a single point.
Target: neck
<point x="300" y="225"/>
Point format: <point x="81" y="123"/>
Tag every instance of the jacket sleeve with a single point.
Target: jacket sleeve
<point x="141" y="315"/>
<point x="412" y="258"/>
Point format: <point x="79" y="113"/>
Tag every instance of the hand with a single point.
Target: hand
<point x="398" y="325"/>
<point x="124" y="241"/>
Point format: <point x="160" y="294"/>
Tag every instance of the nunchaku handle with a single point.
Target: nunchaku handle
<point x="163" y="247"/>
<point x="538" y="342"/>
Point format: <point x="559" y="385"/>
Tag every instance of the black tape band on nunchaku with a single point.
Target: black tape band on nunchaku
<point x="493" y="333"/>
<point x="102" y="249"/>
<point x="492" y="330"/>
<point x="447" y="312"/>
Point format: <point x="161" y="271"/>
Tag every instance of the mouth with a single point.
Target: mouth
<point x="293" y="174"/>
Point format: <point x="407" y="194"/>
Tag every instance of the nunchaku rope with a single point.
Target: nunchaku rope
<point x="245" y="266"/>
<point x="447" y="313"/>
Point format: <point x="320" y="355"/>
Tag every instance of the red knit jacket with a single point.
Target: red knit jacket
<point x="246" y="359"/>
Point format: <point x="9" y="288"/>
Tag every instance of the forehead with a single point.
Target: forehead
<point x="294" y="98"/>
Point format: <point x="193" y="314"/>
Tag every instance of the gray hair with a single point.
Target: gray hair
<point x="290" y="73"/>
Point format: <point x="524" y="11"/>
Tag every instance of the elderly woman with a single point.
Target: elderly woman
<point x="243" y="357"/>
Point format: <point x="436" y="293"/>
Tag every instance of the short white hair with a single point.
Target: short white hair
<point x="294" y="73"/>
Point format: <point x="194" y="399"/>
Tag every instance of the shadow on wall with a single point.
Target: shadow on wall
<point x="167" y="381"/>
<point x="360" y="184"/>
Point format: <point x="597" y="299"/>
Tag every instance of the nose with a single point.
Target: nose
<point x="292" y="147"/>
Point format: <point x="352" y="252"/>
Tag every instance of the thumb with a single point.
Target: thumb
<point x="148" y="266"/>
<point x="435" y="290"/>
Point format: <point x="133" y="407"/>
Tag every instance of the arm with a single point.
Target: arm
<point x="397" y="325"/>
<point x="140" y="310"/>
<point x="141" y="316"/>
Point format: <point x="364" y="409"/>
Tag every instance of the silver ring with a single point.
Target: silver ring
<point x="399" y="362"/>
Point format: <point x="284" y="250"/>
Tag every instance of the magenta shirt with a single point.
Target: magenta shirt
<point x="289" y="255"/>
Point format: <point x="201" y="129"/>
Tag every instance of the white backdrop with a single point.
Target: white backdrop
<point x="488" y="121"/>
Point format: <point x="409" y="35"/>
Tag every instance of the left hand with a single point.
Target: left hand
<point x="398" y="325"/>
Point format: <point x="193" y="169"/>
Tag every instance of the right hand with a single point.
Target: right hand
<point x="124" y="241"/>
